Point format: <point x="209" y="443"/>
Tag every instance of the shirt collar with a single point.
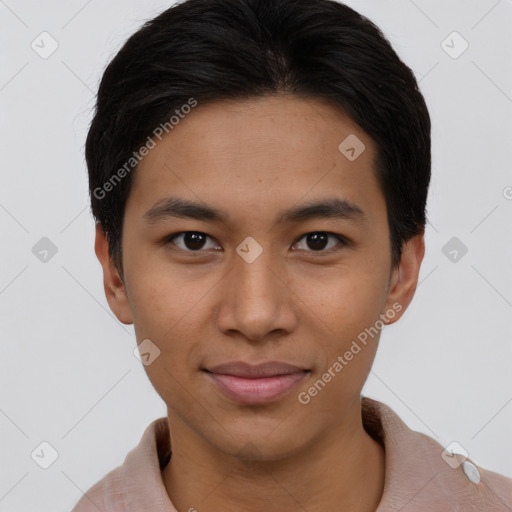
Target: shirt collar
<point x="414" y="467"/>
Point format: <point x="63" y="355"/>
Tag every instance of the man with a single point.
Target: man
<point x="259" y="171"/>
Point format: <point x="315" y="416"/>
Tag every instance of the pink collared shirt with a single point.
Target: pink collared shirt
<point x="418" y="477"/>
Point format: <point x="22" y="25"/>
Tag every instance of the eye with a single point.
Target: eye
<point x="318" y="241"/>
<point x="191" y="241"/>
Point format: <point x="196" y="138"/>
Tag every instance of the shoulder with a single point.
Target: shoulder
<point x="422" y="475"/>
<point x="461" y="482"/>
<point x="105" y="495"/>
<point x="135" y="482"/>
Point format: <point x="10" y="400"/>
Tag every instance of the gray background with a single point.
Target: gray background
<point x="68" y="373"/>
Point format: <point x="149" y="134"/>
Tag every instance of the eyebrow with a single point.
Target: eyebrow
<point x="325" y="208"/>
<point x="174" y="207"/>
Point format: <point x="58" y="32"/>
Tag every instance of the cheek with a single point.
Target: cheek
<point x="169" y="318"/>
<point x="159" y="313"/>
<point x="169" y="309"/>
<point x="345" y="302"/>
<point x="347" y="312"/>
<point x="159" y="298"/>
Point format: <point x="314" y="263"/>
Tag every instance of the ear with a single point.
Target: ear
<point x="404" y="278"/>
<point x="112" y="282"/>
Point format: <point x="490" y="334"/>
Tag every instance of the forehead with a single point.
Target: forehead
<point x="260" y="153"/>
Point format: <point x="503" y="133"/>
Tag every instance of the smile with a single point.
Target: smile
<point x="256" y="384"/>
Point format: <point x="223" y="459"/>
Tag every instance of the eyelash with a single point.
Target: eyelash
<point x="344" y="242"/>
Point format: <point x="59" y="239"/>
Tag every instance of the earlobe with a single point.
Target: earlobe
<point x="113" y="284"/>
<point x="405" y="277"/>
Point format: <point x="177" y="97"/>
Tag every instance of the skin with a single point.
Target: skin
<point x="253" y="159"/>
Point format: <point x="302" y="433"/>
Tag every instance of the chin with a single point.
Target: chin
<point x="258" y="438"/>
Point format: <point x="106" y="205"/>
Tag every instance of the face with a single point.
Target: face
<point x="259" y="295"/>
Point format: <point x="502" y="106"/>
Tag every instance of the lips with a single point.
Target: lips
<point x="255" y="384"/>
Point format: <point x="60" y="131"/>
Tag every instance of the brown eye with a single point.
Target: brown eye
<point x="191" y="241"/>
<point x="318" y="241"/>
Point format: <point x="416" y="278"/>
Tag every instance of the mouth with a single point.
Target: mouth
<point x="256" y="384"/>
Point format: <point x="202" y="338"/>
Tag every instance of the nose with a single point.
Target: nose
<point x="256" y="301"/>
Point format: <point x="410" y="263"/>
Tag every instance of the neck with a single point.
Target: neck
<point x="344" y="470"/>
